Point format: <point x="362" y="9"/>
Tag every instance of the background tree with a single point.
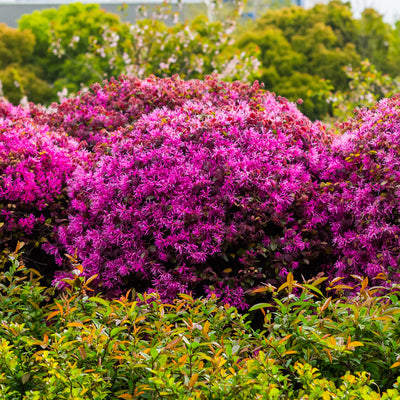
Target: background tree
<point x="74" y="44"/>
<point x="17" y="77"/>
<point x="78" y="45"/>
<point x="305" y="52"/>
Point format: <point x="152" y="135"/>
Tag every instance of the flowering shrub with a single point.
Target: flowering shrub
<point x="35" y="164"/>
<point x="91" y="116"/>
<point x="361" y="195"/>
<point x="195" y="184"/>
<point x="200" y="186"/>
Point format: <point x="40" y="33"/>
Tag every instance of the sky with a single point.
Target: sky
<point x="390" y="9"/>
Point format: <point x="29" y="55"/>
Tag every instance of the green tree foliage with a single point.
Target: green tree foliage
<point x="304" y="51"/>
<point x="23" y="81"/>
<point x="15" y="46"/>
<point x="75" y="42"/>
<point x="17" y="77"/>
<point x="77" y="45"/>
<point x="367" y="86"/>
<point x="373" y="42"/>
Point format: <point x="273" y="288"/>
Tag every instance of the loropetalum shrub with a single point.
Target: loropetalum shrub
<point x="35" y="163"/>
<point x="93" y="115"/>
<point x="198" y="186"/>
<point x="360" y="195"/>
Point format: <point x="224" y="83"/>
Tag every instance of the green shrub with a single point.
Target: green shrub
<point x="76" y="346"/>
<point x="336" y="334"/>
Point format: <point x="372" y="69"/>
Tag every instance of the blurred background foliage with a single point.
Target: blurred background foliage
<point x="322" y="55"/>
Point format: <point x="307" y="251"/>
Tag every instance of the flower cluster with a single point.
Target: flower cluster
<point x="35" y="163"/>
<point x="361" y="198"/>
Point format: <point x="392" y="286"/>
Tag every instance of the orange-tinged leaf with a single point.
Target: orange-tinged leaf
<point x="285" y="338"/>
<point x="289" y="352"/>
<point x="218" y="353"/>
<point x="290" y="280"/>
<point x="53" y="314"/>
<point x="60" y="308"/>
<point x="206" y="328"/>
<point x="92" y="278"/>
<point x="326" y="304"/>
<point x="261" y="289"/>
<point x="340" y="287"/>
<point x="20" y="245"/>
<point x="126" y="396"/>
<point x="140" y="318"/>
<point x="75" y="324"/>
<point x="339" y="278"/>
<point x="193" y="380"/>
<point x="186" y="297"/>
<point x="282" y="286"/>
<point x="396" y="364"/>
<point x="382" y="276"/>
<point x="183" y="359"/>
<point x="364" y="284"/>
<point x="173" y="343"/>
<point x="329" y="354"/>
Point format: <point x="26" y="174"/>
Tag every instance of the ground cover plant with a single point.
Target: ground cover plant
<point x="83" y="346"/>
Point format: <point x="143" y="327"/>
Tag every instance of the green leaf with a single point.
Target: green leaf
<point x="117" y="330"/>
<point x="99" y="300"/>
<point x="260" y="305"/>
